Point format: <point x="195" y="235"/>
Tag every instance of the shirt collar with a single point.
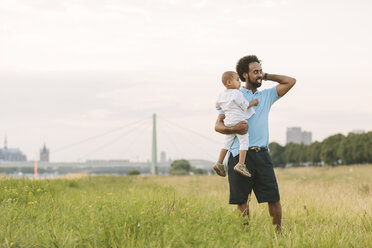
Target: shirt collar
<point x="245" y="90"/>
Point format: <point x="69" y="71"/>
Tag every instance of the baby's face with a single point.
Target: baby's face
<point x="235" y="82"/>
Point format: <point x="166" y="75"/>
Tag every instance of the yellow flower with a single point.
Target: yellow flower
<point x="38" y="190"/>
<point x="30" y="193"/>
<point x="31" y="202"/>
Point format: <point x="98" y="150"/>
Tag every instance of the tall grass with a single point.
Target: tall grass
<point x="322" y="207"/>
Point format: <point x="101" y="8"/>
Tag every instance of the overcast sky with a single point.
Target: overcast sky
<point x="75" y="69"/>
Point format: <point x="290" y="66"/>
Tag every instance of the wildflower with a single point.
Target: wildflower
<point x="38" y="190"/>
<point x="30" y="193"/>
<point x="31" y="202"/>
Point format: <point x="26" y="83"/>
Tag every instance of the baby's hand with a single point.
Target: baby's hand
<point x="254" y="102"/>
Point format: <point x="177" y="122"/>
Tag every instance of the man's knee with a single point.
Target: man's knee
<point x="243" y="207"/>
<point x="274" y="204"/>
<point x="275" y="208"/>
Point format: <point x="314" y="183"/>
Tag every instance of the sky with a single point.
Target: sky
<point x="85" y="77"/>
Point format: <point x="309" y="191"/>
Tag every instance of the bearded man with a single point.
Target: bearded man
<point x="258" y="161"/>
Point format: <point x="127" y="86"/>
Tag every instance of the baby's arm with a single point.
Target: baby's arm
<point x="241" y="101"/>
<point x="252" y="103"/>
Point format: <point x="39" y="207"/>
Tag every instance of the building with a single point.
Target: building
<point x="294" y="135"/>
<point x="11" y="154"/>
<point x="163" y="157"/>
<point x="307" y="137"/>
<point x="358" y="131"/>
<point x="44" y="154"/>
<point x="297" y="136"/>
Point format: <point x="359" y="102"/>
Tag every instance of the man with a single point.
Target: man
<point x="258" y="160"/>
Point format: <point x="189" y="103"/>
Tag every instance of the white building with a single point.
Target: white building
<point x="358" y="131"/>
<point x="297" y="136"/>
<point x="163" y="157"/>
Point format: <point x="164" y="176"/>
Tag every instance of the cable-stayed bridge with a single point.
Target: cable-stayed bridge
<point x="128" y="136"/>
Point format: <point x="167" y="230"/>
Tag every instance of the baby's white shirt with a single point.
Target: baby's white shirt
<point x="235" y="106"/>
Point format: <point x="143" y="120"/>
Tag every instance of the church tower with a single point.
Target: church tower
<point x="44" y="154"/>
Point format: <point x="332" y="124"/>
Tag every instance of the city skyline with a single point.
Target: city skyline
<point x="293" y="135"/>
<point x="75" y="69"/>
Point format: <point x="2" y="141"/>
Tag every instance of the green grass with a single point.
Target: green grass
<point x="322" y="207"/>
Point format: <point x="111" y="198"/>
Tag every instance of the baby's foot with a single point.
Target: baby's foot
<point x="242" y="170"/>
<point x="220" y="169"/>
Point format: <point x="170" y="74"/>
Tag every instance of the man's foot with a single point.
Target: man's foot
<point x="242" y="170"/>
<point x="220" y="169"/>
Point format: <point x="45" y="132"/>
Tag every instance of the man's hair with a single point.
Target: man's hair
<point x="227" y="75"/>
<point x="243" y="65"/>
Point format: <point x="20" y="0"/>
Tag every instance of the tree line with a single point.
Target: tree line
<point x="335" y="150"/>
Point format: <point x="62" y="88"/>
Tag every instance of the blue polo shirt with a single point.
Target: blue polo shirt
<point x="259" y="123"/>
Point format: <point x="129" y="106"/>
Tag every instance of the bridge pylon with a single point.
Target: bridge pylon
<point x="154" y="164"/>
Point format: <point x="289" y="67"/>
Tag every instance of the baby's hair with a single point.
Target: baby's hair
<point x="227" y="75"/>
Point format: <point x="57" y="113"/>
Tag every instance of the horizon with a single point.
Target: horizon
<point x="168" y="159"/>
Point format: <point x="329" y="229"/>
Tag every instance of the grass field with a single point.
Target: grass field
<point x="322" y="207"/>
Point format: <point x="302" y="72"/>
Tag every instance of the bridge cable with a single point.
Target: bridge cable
<point x="96" y="136"/>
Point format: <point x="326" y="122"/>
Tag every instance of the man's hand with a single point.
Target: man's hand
<point x="285" y="83"/>
<point x="240" y="128"/>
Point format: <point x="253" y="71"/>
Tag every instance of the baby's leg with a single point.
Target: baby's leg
<point x="244" y="144"/>
<point x="242" y="155"/>
<point x="222" y="156"/>
<point x="240" y="166"/>
<point x="219" y="167"/>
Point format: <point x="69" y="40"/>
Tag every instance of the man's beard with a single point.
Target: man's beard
<point x="255" y="84"/>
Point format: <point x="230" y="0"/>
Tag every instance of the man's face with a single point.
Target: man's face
<point x="255" y="74"/>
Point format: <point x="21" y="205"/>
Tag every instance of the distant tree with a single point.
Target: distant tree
<point x="292" y="153"/>
<point x="302" y="151"/>
<point x="133" y="173"/>
<point x="356" y="148"/>
<point x="198" y="171"/>
<point x="277" y="154"/>
<point x="346" y="149"/>
<point x="360" y="155"/>
<point x="180" y="167"/>
<point x="330" y="145"/>
<point x="313" y="153"/>
<point x="367" y="147"/>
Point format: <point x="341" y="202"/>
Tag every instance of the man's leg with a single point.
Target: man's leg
<point x="244" y="208"/>
<point x="275" y="211"/>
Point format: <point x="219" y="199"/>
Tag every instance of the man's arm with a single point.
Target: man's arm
<point x="285" y="83"/>
<point x="240" y="128"/>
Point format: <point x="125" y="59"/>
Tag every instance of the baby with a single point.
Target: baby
<point x="236" y="109"/>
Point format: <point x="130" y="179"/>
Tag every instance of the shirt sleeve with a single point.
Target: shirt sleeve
<point x="272" y="95"/>
<point x="218" y="106"/>
<point x="241" y="101"/>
